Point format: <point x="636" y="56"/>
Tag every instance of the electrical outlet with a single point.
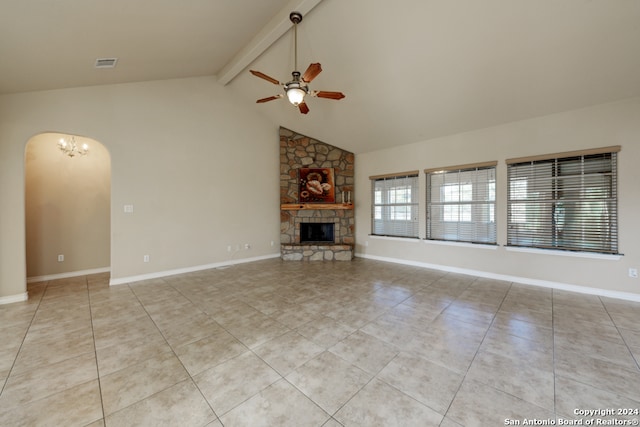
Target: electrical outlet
<point x="145" y="258"/>
<point x="247" y="246"/>
<point x="633" y="273"/>
<point x="60" y="258"/>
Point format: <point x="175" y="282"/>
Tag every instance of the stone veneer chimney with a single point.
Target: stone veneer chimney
<point x="299" y="151"/>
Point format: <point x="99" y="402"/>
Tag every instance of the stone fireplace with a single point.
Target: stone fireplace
<point x="315" y="230"/>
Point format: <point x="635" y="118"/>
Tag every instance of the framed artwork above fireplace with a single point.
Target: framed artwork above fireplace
<point x="316" y="185"/>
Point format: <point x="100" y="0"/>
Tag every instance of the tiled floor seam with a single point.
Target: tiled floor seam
<point x="159" y="391"/>
<point x="553" y="354"/>
<point x="588" y="384"/>
<point x="95" y="351"/>
<point x="6" y="380"/>
<point x="218" y="416"/>
<point x="374" y="376"/>
<point x="478" y="349"/>
<point x="204" y="398"/>
<point x="620" y="333"/>
<point x="404" y="393"/>
<point x="341" y="406"/>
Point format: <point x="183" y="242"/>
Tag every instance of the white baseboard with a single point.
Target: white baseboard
<point x="160" y="274"/>
<point x="523" y="280"/>
<point x="47" y="277"/>
<point x="14" y="298"/>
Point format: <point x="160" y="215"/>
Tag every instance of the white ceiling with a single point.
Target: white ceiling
<point x="412" y="70"/>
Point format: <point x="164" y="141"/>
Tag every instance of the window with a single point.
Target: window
<point x="394" y="211"/>
<point x="452" y="194"/>
<point x="461" y="202"/>
<point x="564" y="201"/>
<point x="518" y="191"/>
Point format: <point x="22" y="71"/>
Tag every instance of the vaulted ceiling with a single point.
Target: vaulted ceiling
<point x="412" y="70"/>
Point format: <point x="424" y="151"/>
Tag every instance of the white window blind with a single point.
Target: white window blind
<point x="566" y="201"/>
<point x="394" y="207"/>
<point x="461" y="203"/>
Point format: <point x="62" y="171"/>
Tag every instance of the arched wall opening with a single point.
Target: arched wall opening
<point x="67" y="208"/>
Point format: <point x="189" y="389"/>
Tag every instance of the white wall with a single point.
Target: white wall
<point x="200" y="169"/>
<point x="598" y="126"/>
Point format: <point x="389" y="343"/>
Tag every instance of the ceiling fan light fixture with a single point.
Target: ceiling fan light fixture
<point x="295" y="92"/>
<point x="295" y="95"/>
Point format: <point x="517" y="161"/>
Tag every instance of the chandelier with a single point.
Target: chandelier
<point x="71" y="149"/>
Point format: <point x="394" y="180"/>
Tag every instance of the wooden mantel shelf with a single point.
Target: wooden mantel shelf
<point x="315" y="206"/>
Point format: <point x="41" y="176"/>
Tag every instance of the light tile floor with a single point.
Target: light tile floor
<point x="273" y="343"/>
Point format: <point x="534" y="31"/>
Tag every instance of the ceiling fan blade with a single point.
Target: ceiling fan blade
<point x="304" y="109"/>
<point x="271" y="98"/>
<point x="312" y="72"/>
<point x="329" y="95"/>
<point x="264" y="76"/>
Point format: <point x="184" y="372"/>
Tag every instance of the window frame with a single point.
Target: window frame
<point x="402" y="215"/>
<point x="477" y="205"/>
<point x="536" y="215"/>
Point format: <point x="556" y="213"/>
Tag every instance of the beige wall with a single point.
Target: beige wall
<point x="67" y="207"/>
<point x="202" y="173"/>
<point x="200" y="169"/>
<point x="599" y="126"/>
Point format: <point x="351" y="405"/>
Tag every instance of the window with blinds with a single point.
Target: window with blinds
<point x="394" y="207"/>
<point x="565" y="201"/>
<point x="461" y="203"/>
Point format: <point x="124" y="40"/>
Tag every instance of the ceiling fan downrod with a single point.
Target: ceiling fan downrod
<point x="296" y="18"/>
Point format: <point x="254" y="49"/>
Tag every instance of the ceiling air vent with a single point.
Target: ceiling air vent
<point x="106" y="62"/>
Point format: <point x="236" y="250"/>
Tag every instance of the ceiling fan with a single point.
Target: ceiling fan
<point x="298" y="87"/>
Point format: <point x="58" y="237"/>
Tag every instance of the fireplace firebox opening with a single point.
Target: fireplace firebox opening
<point x="313" y="232"/>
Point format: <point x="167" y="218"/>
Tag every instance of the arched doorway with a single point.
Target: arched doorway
<point x="67" y="207"/>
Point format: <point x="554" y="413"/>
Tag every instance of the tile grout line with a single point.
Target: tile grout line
<point x="587" y="383"/>
<point x="479" y="346"/>
<point x="187" y="297"/>
<point x="118" y="370"/>
<point x="4" y="384"/>
<point x="637" y="362"/>
<point x="416" y="400"/>
<point x="375" y="376"/>
<point x="172" y="351"/>
<point x="95" y="352"/>
<point x="553" y="353"/>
